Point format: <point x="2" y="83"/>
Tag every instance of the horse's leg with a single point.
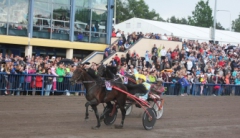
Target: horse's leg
<point x="109" y="107"/>
<point x="86" y="114"/>
<point x="94" y="107"/>
<point x="92" y="102"/>
<point x="121" y="104"/>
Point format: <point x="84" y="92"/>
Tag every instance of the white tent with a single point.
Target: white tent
<point x="179" y="30"/>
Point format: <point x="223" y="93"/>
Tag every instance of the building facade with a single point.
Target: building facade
<point x="55" y="27"/>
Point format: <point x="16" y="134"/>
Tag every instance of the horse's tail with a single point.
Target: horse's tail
<point x="133" y="89"/>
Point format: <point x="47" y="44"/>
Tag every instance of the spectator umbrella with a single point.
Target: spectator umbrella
<point x="66" y="62"/>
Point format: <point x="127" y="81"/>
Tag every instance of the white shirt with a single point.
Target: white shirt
<point x="164" y="38"/>
<point x="189" y="65"/>
<point x="118" y="35"/>
<point x="163" y="52"/>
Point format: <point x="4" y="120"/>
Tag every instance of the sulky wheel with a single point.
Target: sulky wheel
<point x="109" y="120"/>
<point x="159" y="113"/>
<point x="128" y="108"/>
<point x="149" y="121"/>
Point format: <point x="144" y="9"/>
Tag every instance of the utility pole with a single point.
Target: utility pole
<point x="214" y="25"/>
<point x="115" y="11"/>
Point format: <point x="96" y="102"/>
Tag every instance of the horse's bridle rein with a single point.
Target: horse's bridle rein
<point x="81" y="74"/>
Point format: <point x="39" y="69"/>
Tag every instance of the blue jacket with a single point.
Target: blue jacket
<point x="183" y="81"/>
<point x="237" y="81"/>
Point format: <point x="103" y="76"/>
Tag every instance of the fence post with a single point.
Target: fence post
<point x="42" y="85"/>
<point x="219" y="91"/>
<point x="193" y="92"/>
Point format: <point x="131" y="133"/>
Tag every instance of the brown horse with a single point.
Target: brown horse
<point x="96" y="93"/>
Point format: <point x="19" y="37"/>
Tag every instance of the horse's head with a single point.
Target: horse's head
<point x="77" y="75"/>
<point x="102" y="71"/>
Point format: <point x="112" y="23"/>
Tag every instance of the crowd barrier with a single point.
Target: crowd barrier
<point x="37" y="84"/>
<point x="202" y="89"/>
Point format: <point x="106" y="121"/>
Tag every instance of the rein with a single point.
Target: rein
<point x="132" y="80"/>
<point x="88" y="81"/>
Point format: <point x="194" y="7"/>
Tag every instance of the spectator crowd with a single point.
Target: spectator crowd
<point x="36" y="74"/>
<point x="195" y="68"/>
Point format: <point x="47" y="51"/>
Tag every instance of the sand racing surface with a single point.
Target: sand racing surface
<point x="63" y="117"/>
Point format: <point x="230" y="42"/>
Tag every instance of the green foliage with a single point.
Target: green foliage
<point x="236" y="24"/>
<point x="202" y="15"/>
<point x="219" y="26"/>
<point x="127" y="9"/>
<point x="173" y="19"/>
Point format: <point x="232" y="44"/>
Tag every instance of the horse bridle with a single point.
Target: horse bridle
<point x="81" y="74"/>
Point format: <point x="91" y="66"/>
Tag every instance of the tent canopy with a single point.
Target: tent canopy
<point x="179" y="30"/>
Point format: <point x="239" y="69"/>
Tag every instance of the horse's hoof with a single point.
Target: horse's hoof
<point x="95" y="127"/>
<point x="86" y="119"/>
<point x="118" y="126"/>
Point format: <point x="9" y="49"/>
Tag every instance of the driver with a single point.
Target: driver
<point x="158" y="89"/>
<point x="141" y="79"/>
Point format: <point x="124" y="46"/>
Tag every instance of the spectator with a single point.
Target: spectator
<point x="61" y="73"/>
<point x="53" y="72"/>
<point x="49" y="82"/>
<point x="80" y="36"/>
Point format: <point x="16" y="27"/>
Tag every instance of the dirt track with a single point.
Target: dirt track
<point x="63" y="117"/>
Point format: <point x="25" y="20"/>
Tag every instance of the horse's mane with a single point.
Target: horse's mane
<point x="109" y="74"/>
<point x="91" y="72"/>
<point x="114" y="70"/>
<point x="101" y="70"/>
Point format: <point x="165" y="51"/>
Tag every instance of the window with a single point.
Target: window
<point x="51" y="19"/>
<point x="99" y="4"/>
<point x="83" y="3"/>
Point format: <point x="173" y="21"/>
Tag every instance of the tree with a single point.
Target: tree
<point x="219" y="26"/>
<point x="202" y="16"/>
<point x="127" y="9"/>
<point x="184" y="21"/>
<point x="236" y="24"/>
<point x="173" y="19"/>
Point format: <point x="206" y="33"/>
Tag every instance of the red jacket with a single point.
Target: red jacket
<point x="113" y="34"/>
<point x="221" y="63"/>
<point x="174" y="54"/>
<point x="117" y="59"/>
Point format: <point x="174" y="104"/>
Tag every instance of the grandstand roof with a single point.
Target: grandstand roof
<point x="179" y="30"/>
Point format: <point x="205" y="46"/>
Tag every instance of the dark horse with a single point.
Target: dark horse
<point x="110" y="74"/>
<point x="96" y="92"/>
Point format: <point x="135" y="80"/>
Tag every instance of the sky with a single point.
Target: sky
<point x="184" y="8"/>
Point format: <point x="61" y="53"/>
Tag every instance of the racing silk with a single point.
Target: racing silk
<point x="147" y="86"/>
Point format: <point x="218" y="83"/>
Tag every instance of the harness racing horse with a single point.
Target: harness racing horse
<point x="133" y="88"/>
<point x="111" y="73"/>
<point x="96" y="93"/>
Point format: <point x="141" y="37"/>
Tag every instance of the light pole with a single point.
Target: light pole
<point x="115" y="11"/>
<point x="230" y="18"/>
<point x="214" y="24"/>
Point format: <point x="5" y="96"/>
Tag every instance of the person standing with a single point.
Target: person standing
<point x="49" y="82"/>
<point x="53" y="72"/>
<point x="163" y="53"/>
<point x="61" y="74"/>
<point x="147" y="59"/>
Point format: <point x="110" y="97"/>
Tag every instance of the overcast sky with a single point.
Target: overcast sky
<point x="184" y="8"/>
